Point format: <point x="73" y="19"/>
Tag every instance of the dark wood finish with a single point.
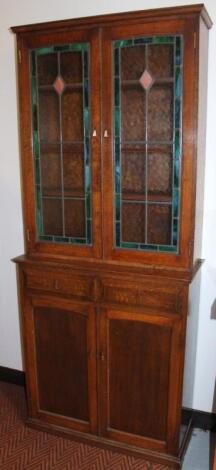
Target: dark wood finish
<point x="104" y="328"/>
<point x="61" y="350"/>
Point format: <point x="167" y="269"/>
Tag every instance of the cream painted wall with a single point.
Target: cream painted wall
<point x="201" y="338"/>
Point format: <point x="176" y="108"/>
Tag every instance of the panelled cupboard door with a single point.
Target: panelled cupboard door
<point x="60" y="137"/>
<point x="149" y="96"/>
<point x="61" y="362"/>
<point x="140" y="379"/>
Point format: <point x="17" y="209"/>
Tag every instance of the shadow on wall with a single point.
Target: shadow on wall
<point x="213" y="310"/>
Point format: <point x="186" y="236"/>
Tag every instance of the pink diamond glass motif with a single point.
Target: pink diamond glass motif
<point x="59" y="85"/>
<point x="146" y="80"/>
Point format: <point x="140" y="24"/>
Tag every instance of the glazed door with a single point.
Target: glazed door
<point x="61" y="362"/>
<point x="60" y="118"/>
<point x="140" y="369"/>
<point x="147" y="199"/>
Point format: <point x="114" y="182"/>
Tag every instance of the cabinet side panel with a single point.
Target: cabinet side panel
<point x="201" y="136"/>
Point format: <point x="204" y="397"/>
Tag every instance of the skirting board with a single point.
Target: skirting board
<point x="200" y="419"/>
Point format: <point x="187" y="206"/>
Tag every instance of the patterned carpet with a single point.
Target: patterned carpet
<point x="23" y="448"/>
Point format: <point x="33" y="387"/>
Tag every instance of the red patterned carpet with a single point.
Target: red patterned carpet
<point x="23" y="448"/>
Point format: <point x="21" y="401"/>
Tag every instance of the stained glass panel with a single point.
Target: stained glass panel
<point x="62" y="154"/>
<point x="147" y="120"/>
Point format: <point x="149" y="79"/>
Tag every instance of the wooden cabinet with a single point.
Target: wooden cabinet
<point x="112" y="124"/>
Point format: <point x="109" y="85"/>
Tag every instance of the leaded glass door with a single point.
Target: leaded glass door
<point x="146" y="129"/>
<point x="65" y="143"/>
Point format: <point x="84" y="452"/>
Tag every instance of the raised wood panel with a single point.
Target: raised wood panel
<point x="138" y="389"/>
<point x="138" y="377"/>
<point x="61" y="358"/>
<point x="61" y="361"/>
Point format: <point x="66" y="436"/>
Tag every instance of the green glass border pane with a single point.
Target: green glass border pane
<point x="178" y="50"/>
<point x="61" y="239"/>
<point x="167" y="249"/>
<point x="124" y="43"/>
<point x="175" y="203"/>
<point x="175" y="232"/>
<point x="177" y="145"/>
<point x="177" y="172"/>
<point x="148" y="247"/>
<point x="37" y="171"/>
<point x="118" y="207"/>
<point x="117" y="233"/>
<point x="116" y="62"/>
<point x="178" y="82"/>
<point x="36" y="144"/>
<point x="64" y="48"/>
<point x="177" y="113"/>
<point x="61" y="48"/>
<point x="177" y="42"/>
<point x="117" y="121"/>
<point x="133" y="246"/>
<point x="45" y="238"/>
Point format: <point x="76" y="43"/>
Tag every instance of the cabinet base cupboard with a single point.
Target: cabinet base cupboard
<point x="112" y="129"/>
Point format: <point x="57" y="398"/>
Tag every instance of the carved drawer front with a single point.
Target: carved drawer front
<point x="78" y="286"/>
<point x="148" y="294"/>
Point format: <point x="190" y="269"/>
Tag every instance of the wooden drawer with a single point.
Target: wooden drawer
<point x="69" y="284"/>
<point x="150" y="294"/>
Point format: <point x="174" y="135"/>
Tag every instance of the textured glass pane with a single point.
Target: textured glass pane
<point x="160" y="166"/>
<point x="133" y="114"/>
<point x="160" y="113"/>
<point x="73" y="169"/>
<point x="132" y="62"/>
<point x="61" y="145"/>
<point x="50" y="158"/>
<point x="133" y="222"/>
<point x="49" y="124"/>
<point x="52" y="216"/>
<point x="72" y="115"/>
<point x="160" y="60"/>
<point x="74" y="218"/>
<point x="133" y="171"/>
<point x="159" y="224"/>
<point x="71" y="67"/>
<point x="47" y="69"/>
